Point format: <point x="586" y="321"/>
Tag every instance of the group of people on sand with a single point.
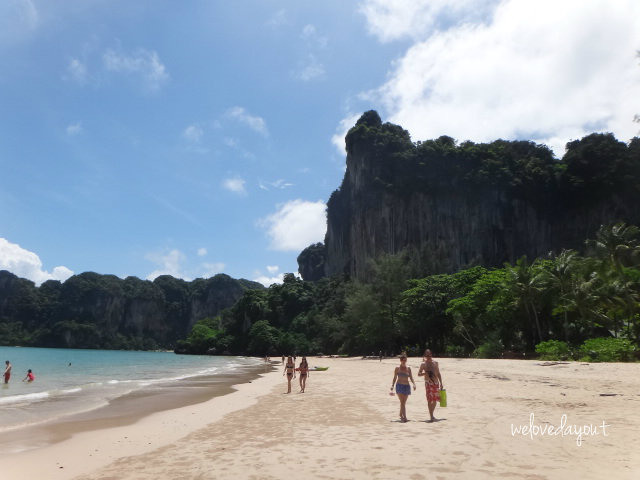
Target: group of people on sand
<point x="432" y="382"/>
<point x="290" y="370"/>
<point x="30" y="377"/>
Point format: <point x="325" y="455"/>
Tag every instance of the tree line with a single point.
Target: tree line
<point x="552" y="306"/>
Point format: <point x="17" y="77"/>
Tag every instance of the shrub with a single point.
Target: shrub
<point x="553" y="350"/>
<point x="454" y="351"/>
<point x="607" y="350"/>
<point x="492" y="348"/>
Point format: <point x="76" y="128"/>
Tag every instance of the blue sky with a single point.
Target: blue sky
<point x="198" y="137"/>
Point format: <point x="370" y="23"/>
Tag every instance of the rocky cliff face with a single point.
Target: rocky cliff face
<point x="102" y="311"/>
<point x="442" y="203"/>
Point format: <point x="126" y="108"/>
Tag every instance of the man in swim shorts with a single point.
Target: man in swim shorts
<point x="7" y="371"/>
<point x="432" y="381"/>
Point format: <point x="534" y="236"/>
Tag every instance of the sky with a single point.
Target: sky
<point x="200" y="137"/>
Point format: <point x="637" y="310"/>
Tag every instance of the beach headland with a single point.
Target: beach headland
<point x="505" y="418"/>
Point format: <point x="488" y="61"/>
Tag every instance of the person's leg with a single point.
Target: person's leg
<point x="403" y="409"/>
<point x="432" y="407"/>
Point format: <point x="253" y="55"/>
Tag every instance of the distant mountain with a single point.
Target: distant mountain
<point x="90" y="310"/>
<point x="451" y="206"/>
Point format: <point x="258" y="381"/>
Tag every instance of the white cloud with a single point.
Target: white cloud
<point x="272" y="269"/>
<point x="252" y="121"/>
<point x="193" y="133"/>
<point x="211" y="269"/>
<point x="202" y="252"/>
<point x="540" y="70"/>
<point x="18" y="20"/>
<point x="295" y="225"/>
<point x="341" y="131"/>
<point x="26" y="264"/>
<point x="235" y="185"/>
<point x="279" y="184"/>
<point x="310" y="35"/>
<point x="168" y="264"/>
<point x="397" y="19"/>
<point x="74" y="129"/>
<point x="269" y="279"/>
<point x="77" y="71"/>
<point x="310" y="69"/>
<point x="143" y="63"/>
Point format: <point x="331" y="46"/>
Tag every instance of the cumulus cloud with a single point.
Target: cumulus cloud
<point x="142" y="63"/>
<point x="193" y="133"/>
<point x="202" y="252"/>
<point x="74" y="129"/>
<point x="252" y="121"/>
<point x="341" y="131"/>
<point x="540" y="70"/>
<point x="271" y="277"/>
<point x="235" y="185"/>
<point x="396" y="19"/>
<point x="26" y="264"/>
<point x="170" y="263"/>
<point x="295" y="225"/>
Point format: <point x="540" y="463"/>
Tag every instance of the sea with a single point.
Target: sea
<point x="69" y="382"/>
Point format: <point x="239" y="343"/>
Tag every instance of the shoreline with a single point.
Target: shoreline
<point x="345" y="426"/>
<point x="126" y="409"/>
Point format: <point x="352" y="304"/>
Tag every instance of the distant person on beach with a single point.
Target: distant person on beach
<point x="290" y="370"/>
<point x="380" y="355"/>
<point x="401" y="377"/>
<point x="30" y="377"/>
<point x="282" y="359"/>
<point x="432" y="381"/>
<point x="7" y="371"/>
<point x="304" y="373"/>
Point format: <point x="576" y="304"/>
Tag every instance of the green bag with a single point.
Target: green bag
<point x="443" y="398"/>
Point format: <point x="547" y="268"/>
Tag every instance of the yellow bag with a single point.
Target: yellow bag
<point x="443" y="398"/>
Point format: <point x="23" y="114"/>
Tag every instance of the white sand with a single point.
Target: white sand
<point x="346" y="426"/>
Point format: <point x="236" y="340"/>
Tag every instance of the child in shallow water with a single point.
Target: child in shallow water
<point x="30" y="377"/>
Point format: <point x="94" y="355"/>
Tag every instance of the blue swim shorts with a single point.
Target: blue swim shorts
<point x="403" y="389"/>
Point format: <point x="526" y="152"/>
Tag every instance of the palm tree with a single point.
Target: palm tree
<point x="559" y="278"/>
<point x="616" y="244"/>
<point x="524" y="281"/>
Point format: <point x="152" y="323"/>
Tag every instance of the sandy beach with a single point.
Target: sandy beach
<point x="505" y="418"/>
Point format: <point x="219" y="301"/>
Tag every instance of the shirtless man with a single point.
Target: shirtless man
<point x="432" y="381"/>
<point x="7" y="372"/>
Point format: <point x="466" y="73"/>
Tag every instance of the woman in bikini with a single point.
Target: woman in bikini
<point x="290" y="370"/>
<point x="304" y="373"/>
<point x="432" y="381"/>
<point x="401" y="377"/>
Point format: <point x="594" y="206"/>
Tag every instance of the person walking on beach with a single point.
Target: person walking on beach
<point x="30" y="377"/>
<point x="304" y="373"/>
<point x="432" y="381"/>
<point x="401" y="377"/>
<point x="7" y="371"/>
<point x="290" y="370"/>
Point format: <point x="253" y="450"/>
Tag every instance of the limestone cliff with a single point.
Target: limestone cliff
<point x="453" y="206"/>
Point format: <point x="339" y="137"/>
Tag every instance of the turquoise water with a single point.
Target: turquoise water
<point x="73" y="381"/>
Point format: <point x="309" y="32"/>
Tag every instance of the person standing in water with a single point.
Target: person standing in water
<point x="290" y="370"/>
<point x="402" y="375"/>
<point x="432" y="381"/>
<point x="304" y="373"/>
<point x="7" y="371"/>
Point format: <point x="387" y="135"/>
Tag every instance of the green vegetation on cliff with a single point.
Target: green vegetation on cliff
<point x="103" y="311"/>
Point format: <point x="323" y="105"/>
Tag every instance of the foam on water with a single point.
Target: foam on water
<point x="76" y="381"/>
